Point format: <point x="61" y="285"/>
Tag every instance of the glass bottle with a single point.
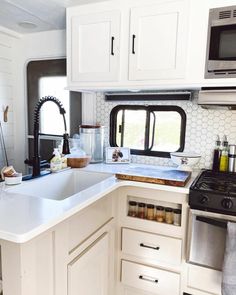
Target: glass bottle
<point x="141" y="210"/>
<point x="169" y="215"/>
<point x="224" y="158"/>
<point x="150" y="211"/>
<point x="216" y="155"/>
<point x="132" y="209"/>
<point x="177" y="217"/>
<point x="160" y="214"/>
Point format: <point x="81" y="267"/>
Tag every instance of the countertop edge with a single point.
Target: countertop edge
<point x="23" y="238"/>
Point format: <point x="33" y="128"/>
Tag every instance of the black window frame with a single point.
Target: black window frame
<point x="36" y="69"/>
<point x="149" y="109"/>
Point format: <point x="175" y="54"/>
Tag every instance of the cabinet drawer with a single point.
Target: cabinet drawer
<point x="150" y="279"/>
<point x="151" y="246"/>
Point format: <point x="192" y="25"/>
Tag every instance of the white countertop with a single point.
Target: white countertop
<point x="24" y="217"/>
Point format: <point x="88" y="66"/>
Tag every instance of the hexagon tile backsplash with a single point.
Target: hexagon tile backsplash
<point x="202" y="127"/>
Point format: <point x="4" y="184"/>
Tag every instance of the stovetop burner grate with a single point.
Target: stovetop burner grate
<point x="222" y="183"/>
<point x="214" y="192"/>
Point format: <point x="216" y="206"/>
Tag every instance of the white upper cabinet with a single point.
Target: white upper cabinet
<point x="157" y="41"/>
<point x="126" y="44"/>
<point x="94" y="48"/>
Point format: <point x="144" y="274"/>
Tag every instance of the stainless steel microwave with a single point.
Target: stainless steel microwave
<point x="221" y="43"/>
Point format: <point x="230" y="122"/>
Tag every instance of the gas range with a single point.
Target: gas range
<point x="214" y="192"/>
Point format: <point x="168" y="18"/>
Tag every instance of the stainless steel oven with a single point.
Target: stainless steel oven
<point x="221" y="43"/>
<point x="206" y="238"/>
<point x="212" y="201"/>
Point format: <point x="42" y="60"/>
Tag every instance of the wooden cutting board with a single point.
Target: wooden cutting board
<point x="166" y="176"/>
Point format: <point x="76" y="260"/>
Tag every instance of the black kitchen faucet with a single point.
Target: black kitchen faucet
<point x="36" y="157"/>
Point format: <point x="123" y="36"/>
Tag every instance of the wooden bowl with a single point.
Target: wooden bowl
<point x="78" y="162"/>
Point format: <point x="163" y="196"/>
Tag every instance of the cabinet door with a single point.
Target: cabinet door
<point x="88" y="273"/>
<point x="158" y="41"/>
<point x="95" y="47"/>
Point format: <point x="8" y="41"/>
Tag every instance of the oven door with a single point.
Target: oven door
<point x="206" y="238"/>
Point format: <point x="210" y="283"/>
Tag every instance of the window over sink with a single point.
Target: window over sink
<point x="151" y="130"/>
<point x="47" y="77"/>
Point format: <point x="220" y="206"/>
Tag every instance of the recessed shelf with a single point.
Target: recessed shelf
<point x="147" y="209"/>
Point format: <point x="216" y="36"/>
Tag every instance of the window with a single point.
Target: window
<point x="148" y="130"/>
<point x="48" y="78"/>
<point x="50" y="119"/>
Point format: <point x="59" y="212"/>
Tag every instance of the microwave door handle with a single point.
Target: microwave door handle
<point x="212" y="221"/>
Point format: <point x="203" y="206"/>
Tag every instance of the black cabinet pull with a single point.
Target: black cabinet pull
<point x="133" y="43"/>
<point x="149" y="279"/>
<point x="149" y="247"/>
<point x="112" y="45"/>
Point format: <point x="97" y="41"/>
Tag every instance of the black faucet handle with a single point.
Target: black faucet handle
<point x="65" y="147"/>
<point x="28" y="162"/>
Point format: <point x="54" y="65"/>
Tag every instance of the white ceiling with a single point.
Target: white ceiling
<point x="45" y="14"/>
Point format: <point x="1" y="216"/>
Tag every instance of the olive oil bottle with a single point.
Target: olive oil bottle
<point x="224" y="158"/>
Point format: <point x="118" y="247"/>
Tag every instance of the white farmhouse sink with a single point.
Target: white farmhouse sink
<point x="59" y="186"/>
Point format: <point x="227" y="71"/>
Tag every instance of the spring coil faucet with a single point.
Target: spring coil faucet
<point x="65" y="149"/>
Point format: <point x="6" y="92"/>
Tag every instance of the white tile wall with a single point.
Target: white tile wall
<point x="6" y="98"/>
<point x="202" y="127"/>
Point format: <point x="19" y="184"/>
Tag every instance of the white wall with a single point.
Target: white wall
<point x="43" y="45"/>
<point x="7" y="82"/>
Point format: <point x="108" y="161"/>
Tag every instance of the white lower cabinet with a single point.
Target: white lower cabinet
<point x="88" y="273"/>
<point x="101" y="250"/>
<point x="76" y="257"/>
<point x="152" y="253"/>
<point x="150" y="279"/>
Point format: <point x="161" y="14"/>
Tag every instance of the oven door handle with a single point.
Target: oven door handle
<point x="212" y="221"/>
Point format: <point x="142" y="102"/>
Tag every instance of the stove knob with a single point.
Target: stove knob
<point x="227" y="203"/>
<point x="203" y="199"/>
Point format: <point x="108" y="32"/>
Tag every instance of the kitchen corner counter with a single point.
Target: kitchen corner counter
<point x="119" y="168"/>
<point x="23" y="217"/>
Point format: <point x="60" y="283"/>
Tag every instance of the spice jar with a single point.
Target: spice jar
<point x="177" y="217"/>
<point x="169" y="215"/>
<point x="132" y="209"/>
<point x="160" y="214"/>
<point x="141" y="210"/>
<point x="150" y="211"/>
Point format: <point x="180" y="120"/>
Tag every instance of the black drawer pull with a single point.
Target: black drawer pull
<point x="148" y="279"/>
<point x="112" y="45"/>
<point x="133" y="41"/>
<point x="149" y="247"/>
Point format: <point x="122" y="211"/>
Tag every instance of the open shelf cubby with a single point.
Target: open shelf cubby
<point x="155" y="203"/>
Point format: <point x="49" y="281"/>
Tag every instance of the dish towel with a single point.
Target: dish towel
<point x="228" y="286"/>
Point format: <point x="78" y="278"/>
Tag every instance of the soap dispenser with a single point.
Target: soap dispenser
<point x="56" y="161"/>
